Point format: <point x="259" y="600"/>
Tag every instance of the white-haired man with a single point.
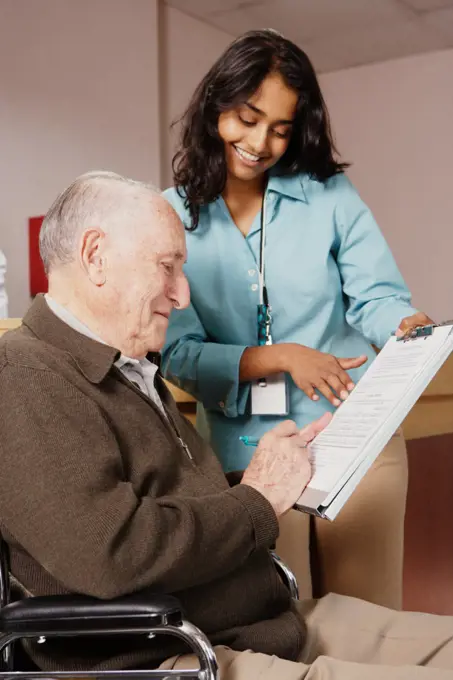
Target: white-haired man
<point x="107" y="490"/>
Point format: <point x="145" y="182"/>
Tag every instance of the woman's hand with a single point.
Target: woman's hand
<point x="313" y="370"/>
<point x="410" y="322"/>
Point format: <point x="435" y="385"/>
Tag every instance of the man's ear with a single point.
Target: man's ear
<point x="91" y="255"/>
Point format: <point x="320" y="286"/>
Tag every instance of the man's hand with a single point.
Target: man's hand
<point x="280" y="468"/>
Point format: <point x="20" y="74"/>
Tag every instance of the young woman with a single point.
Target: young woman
<point x="292" y="283"/>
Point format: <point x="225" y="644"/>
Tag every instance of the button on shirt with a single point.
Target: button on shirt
<point x="141" y="372"/>
<point x="333" y="285"/>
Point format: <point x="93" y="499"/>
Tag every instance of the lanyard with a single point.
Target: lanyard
<point x="262" y="282"/>
<point x="264" y="308"/>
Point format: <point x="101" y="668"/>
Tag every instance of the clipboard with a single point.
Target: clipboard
<point x="378" y="405"/>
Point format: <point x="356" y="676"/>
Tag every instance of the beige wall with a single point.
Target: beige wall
<point x="189" y="49"/>
<point x="92" y="84"/>
<point x="79" y="91"/>
<point x="87" y="84"/>
<point x="394" y="120"/>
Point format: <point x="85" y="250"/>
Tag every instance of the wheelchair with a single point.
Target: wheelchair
<point x="56" y="616"/>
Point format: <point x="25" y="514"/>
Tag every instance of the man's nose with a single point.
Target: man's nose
<point x="181" y="294"/>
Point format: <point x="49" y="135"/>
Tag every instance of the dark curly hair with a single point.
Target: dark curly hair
<point x="199" y="167"/>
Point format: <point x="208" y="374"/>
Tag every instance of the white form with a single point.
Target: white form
<point x="380" y="395"/>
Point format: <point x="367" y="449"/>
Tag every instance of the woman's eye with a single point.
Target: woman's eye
<point x="282" y="135"/>
<point x="244" y="121"/>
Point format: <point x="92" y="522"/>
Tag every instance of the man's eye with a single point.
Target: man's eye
<point x="168" y="268"/>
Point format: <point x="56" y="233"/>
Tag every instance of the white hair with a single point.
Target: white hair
<point x="98" y="198"/>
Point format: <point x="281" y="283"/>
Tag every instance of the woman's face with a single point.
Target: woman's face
<point x="256" y="134"/>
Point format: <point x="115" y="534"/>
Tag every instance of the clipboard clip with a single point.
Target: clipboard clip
<point x="419" y="332"/>
<point x="423" y="331"/>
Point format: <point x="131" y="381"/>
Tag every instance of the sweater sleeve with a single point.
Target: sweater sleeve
<point x="67" y="500"/>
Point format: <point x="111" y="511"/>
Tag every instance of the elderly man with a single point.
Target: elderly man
<point x="107" y="490"/>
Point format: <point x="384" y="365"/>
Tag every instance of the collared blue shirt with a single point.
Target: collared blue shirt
<point x="333" y="285"/>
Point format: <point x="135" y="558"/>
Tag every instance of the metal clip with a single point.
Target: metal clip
<point x="424" y="331"/>
<point x="264" y="325"/>
<point x="419" y="332"/>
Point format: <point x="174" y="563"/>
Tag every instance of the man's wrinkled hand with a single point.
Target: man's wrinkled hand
<point x="280" y="468"/>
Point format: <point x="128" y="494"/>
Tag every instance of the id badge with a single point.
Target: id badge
<point x="270" y="396"/>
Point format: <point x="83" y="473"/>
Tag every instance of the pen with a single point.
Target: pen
<point x="249" y="441"/>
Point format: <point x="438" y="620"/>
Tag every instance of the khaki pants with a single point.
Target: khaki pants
<point x="361" y="552"/>
<point x="349" y="639"/>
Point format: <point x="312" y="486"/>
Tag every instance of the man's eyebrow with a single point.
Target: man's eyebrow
<point x="255" y="109"/>
<point x="178" y="255"/>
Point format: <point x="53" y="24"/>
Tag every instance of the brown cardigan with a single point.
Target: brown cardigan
<point x="98" y="496"/>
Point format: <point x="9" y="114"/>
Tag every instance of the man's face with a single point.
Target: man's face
<point x="145" y="281"/>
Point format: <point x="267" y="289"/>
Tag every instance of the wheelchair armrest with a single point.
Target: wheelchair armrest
<point x="79" y="614"/>
<point x="286" y="575"/>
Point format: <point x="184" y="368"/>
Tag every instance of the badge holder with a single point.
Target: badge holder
<point x="269" y="395"/>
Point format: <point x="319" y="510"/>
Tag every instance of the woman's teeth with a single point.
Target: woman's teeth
<point x="246" y="155"/>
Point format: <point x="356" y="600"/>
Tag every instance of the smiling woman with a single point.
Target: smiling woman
<point x="267" y="84"/>
<point x="291" y="284"/>
<point x="256" y="135"/>
<point x="253" y="137"/>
